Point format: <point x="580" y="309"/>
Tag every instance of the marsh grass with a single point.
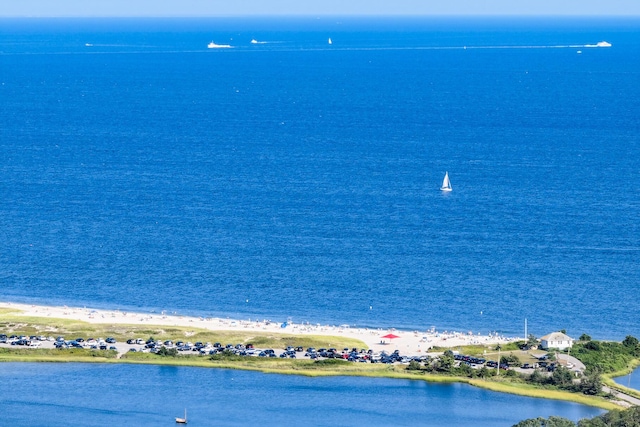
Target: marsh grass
<point x="608" y="379"/>
<point x="328" y="367"/>
<point x="529" y="390"/>
<point x="55" y="355"/>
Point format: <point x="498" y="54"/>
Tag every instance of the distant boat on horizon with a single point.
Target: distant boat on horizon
<point x="330" y="42"/>
<point x="599" y="44"/>
<point x="446" y="184"/>
<point x="182" y="420"/>
<point x="212" y="45"/>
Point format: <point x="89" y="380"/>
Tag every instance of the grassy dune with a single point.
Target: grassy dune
<point x="71" y="329"/>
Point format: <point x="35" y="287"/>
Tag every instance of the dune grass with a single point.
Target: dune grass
<point x="71" y="329"/>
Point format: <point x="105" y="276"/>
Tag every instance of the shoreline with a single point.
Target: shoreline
<point x="411" y="343"/>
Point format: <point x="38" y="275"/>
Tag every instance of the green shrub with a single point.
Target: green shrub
<point x="329" y="362"/>
<point x="414" y="365"/>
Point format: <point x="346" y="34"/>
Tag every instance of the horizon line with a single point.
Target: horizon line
<point x="320" y="16"/>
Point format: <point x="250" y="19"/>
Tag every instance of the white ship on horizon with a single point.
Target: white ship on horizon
<point x="212" y="45"/>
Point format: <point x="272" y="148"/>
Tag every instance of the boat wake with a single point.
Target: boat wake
<point x="601" y="44"/>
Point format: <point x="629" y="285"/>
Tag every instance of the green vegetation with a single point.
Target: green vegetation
<point x="53" y="355"/>
<point x="507" y="385"/>
<point x="607" y="356"/>
<point x="627" y="418"/>
<point x="599" y="357"/>
<point x="71" y="329"/>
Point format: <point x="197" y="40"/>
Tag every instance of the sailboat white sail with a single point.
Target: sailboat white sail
<point x="182" y="420"/>
<point x="446" y="184"/>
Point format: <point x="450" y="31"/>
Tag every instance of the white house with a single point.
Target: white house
<point x="556" y="340"/>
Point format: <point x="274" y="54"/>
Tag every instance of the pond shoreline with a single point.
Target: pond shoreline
<point x="48" y="316"/>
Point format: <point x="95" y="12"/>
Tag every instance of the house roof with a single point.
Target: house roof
<point x="557" y="336"/>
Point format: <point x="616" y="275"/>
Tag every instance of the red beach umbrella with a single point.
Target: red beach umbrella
<point x="390" y="336"/>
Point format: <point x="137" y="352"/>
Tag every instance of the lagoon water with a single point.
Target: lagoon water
<point x="296" y="179"/>
<point x="98" y="395"/>
<point x="632" y="380"/>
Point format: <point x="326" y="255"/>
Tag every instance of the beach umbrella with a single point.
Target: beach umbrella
<point x="390" y="336"/>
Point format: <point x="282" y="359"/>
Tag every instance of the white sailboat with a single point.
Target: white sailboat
<point x="182" y="420"/>
<point x="446" y="184"/>
<point x="330" y="42"/>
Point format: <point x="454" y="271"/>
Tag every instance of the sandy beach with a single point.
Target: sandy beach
<point x="409" y="343"/>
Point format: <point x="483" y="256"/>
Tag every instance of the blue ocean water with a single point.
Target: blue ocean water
<point x="98" y="395"/>
<point x="293" y="178"/>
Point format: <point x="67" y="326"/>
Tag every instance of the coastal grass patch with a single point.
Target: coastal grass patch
<point x="480" y="349"/>
<point x="529" y="390"/>
<point x="305" y="367"/>
<point x="55" y="355"/>
<point x="7" y="310"/>
<point x="490" y="352"/>
<point x="10" y="323"/>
